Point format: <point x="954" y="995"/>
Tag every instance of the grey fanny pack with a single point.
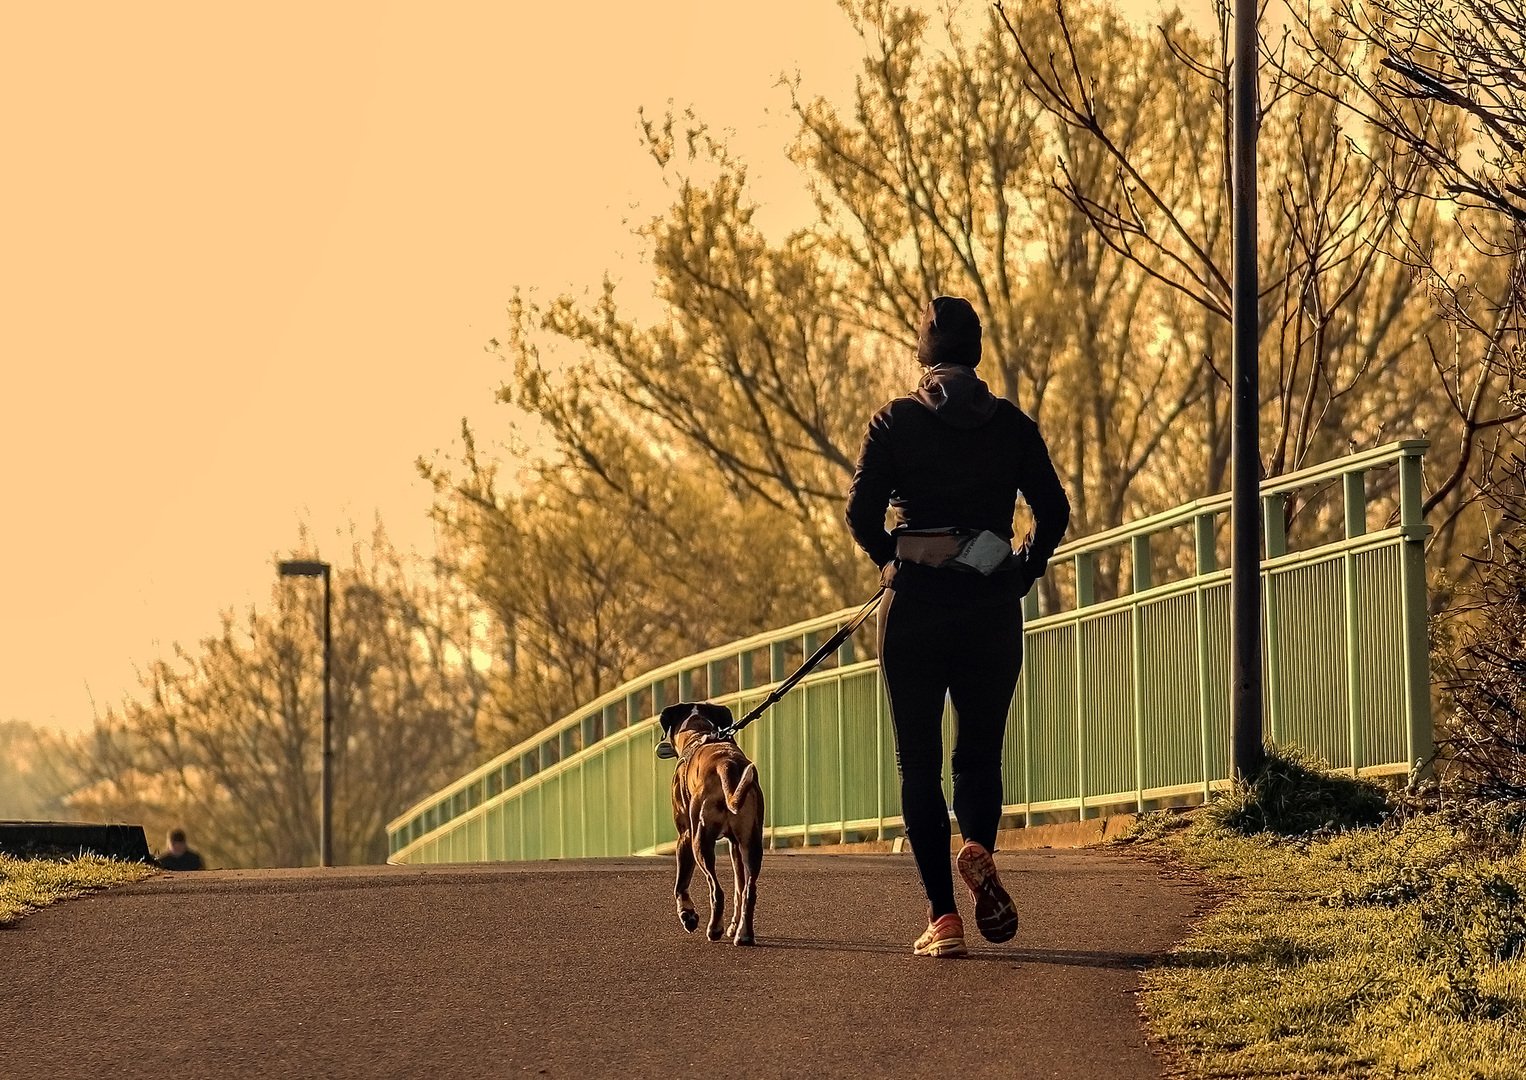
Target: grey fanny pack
<point x="959" y="549"/>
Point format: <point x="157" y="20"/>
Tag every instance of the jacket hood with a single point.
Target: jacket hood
<point x="950" y="333"/>
<point x="956" y="395"/>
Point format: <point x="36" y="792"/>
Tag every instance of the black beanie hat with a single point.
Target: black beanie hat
<point x="950" y="333"/>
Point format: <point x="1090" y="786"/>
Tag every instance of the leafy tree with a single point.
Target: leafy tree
<point x="33" y="782"/>
<point x="1065" y="170"/>
<point x="1437" y="84"/>
<point x="941" y="180"/>
<point x="1090" y="229"/>
<point x="225" y="739"/>
<point x="1347" y="334"/>
<point x="591" y="578"/>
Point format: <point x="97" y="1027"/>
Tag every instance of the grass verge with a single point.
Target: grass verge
<point x="1396" y="950"/>
<point x="28" y="884"/>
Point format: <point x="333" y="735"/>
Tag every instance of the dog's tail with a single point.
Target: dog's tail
<point x="734" y="794"/>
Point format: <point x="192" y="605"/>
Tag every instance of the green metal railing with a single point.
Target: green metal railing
<point x="1123" y="701"/>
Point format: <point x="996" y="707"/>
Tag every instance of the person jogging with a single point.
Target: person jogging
<point x="951" y="459"/>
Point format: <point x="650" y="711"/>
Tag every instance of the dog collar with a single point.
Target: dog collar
<point x="704" y="740"/>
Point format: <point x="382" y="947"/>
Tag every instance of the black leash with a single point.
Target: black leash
<point x="836" y="640"/>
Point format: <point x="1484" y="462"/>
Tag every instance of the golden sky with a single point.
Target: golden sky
<point x="251" y="254"/>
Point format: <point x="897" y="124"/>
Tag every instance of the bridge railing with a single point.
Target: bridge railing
<point x="1123" y="700"/>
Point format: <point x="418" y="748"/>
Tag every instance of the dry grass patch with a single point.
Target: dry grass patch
<point x="28" y="884"/>
<point x="1396" y="950"/>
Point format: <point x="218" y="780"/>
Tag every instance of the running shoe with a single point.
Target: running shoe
<point x="995" y="916"/>
<point x="943" y="937"/>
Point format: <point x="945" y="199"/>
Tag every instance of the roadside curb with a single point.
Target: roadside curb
<point x="1065" y="834"/>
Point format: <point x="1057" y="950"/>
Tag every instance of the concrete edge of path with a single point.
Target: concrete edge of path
<point x="1066" y="834"/>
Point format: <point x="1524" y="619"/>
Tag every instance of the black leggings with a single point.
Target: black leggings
<point x="972" y="654"/>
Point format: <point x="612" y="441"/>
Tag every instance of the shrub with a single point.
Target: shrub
<point x="1294" y="795"/>
<point x="1481" y="659"/>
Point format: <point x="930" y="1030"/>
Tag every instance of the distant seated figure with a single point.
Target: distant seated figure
<point x="179" y="856"/>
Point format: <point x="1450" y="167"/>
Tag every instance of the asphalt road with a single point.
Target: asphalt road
<point x="580" y="969"/>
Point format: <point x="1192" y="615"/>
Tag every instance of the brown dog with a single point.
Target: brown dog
<point x="715" y="794"/>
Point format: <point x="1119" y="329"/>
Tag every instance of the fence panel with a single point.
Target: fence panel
<point x="1171" y="693"/>
<point x="860" y="748"/>
<point x="1311" y="661"/>
<point x="822" y="752"/>
<point x="1051" y="670"/>
<point x="1378" y="666"/>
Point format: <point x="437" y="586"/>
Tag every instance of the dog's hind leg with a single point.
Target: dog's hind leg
<point x="740" y="877"/>
<point x="686" y="912"/>
<point x="704" y="847"/>
<point x="749" y="857"/>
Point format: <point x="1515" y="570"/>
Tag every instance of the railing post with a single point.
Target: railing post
<point x="1274" y="518"/>
<point x="1207" y="563"/>
<point x="1354" y="502"/>
<point x="845" y="652"/>
<point x="1136" y="631"/>
<point x="659" y="702"/>
<point x="658" y="802"/>
<point x="879" y="757"/>
<point x="1354" y="498"/>
<point x="842" y="777"/>
<point x="808" y="644"/>
<point x="1086" y="595"/>
<point x="1207" y="558"/>
<point x="1417" y="696"/>
<point x="1139" y="555"/>
<point x="1275" y="530"/>
<point x="630" y="787"/>
<point x="776" y="674"/>
<point x="583" y="807"/>
<point x="1086" y="579"/>
<point x="715" y="679"/>
<point x="1025" y="681"/>
<point x="685" y="685"/>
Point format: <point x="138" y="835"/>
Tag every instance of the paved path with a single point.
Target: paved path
<point x="579" y="969"/>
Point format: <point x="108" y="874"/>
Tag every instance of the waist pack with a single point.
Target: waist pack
<point x="960" y="549"/>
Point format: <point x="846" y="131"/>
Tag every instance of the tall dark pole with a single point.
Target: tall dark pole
<point x="326" y="818"/>
<point x="314" y="568"/>
<point x="1245" y="518"/>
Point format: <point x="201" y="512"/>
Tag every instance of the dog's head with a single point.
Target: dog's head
<point x="689" y="720"/>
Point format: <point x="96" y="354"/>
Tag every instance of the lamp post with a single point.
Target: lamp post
<point x="1245" y="517"/>
<point x="314" y="568"/>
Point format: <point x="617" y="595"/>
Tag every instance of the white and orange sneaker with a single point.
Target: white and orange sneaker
<point x="943" y="937"/>
<point x="995" y="916"/>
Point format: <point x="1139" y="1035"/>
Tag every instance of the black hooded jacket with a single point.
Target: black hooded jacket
<point x="955" y="454"/>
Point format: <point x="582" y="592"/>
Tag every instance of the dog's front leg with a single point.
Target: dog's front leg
<point x="686" y="912"/>
<point x="704" y="846"/>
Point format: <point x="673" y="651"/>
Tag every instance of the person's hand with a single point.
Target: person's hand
<point x="887" y="573"/>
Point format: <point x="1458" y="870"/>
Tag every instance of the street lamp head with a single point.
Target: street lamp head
<point x="303" y="568"/>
